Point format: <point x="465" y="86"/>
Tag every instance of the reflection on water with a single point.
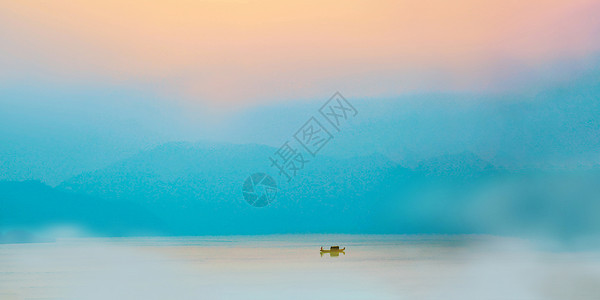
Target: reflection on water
<point x="275" y="267"/>
<point x="333" y="254"/>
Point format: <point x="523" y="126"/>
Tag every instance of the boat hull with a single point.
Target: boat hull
<point x="335" y="250"/>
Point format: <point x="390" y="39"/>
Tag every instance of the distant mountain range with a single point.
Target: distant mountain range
<point x="196" y="189"/>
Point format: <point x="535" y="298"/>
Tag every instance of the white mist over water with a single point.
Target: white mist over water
<point x="290" y="266"/>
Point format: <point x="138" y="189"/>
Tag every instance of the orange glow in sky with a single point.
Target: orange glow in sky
<point x="231" y="52"/>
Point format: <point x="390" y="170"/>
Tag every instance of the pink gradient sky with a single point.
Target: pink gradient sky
<point x="228" y="53"/>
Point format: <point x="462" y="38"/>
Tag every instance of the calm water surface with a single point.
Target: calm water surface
<point x="291" y="267"/>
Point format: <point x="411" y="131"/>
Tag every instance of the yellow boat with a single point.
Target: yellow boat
<point x="333" y="249"/>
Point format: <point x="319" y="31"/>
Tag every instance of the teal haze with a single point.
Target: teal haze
<point x="120" y="162"/>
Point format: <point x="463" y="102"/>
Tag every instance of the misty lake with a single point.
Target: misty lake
<point x="291" y="267"/>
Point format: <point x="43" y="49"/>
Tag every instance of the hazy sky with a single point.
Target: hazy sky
<point x="85" y="84"/>
<point x="229" y="53"/>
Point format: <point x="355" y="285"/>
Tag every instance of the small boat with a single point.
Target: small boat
<point x="333" y="249"/>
